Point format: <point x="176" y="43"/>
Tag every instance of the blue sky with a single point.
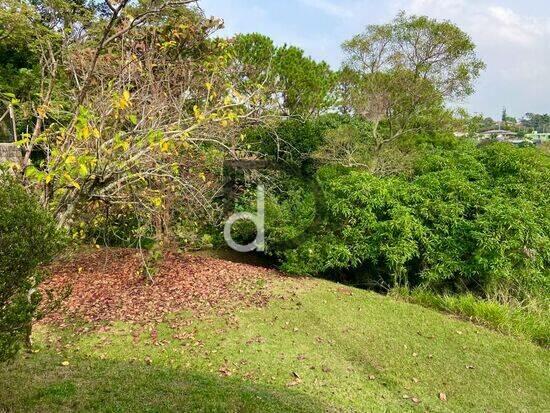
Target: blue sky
<point x="513" y="38"/>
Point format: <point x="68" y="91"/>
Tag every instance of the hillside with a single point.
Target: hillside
<point x="235" y="337"/>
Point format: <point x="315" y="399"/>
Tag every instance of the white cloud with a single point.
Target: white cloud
<point x="514" y="45"/>
<point x="512" y="37"/>
<point x="484" y="21"/>
<point x="420" y="6"/>
<point x="510" y="26"/>
<point x="332" y="8"/>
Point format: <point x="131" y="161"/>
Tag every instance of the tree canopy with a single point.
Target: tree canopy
<point x="430" y="49"/>
<point x="297" y="83"/>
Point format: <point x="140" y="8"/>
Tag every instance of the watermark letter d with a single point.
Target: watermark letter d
<point x="259" y="219"/>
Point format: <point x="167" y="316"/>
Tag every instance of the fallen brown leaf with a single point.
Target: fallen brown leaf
<point x="110" y="287"/>
<point x="224" y="371"/>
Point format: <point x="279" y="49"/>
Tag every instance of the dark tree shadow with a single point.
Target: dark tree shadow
<point x="40" y="384"/>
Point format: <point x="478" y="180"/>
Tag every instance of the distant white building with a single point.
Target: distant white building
<point x="502" y="135"/>
<point x="498" y="134"/>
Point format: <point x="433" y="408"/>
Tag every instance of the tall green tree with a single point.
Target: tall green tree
<point x="434" y="50"/>
<point x="297" y="84"/>
<point x="398" y="77"/>
<point x="536" y="122"/>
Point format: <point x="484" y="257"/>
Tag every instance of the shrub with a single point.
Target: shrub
<point x="469" y="220"/>
<point x="28" y="239"/>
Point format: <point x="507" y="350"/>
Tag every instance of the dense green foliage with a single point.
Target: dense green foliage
<point x="129" y="117"/>
<point x="140" y="128"/>
<point x="28" y="238"/>
<point x="291" y="80"/>
<point x="467" y="219"/>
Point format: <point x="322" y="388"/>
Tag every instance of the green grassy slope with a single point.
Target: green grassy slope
<point x="316" y="347"/>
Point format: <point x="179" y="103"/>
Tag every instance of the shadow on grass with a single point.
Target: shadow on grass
<point x="41" y="383"/>
<point x="249" y="258"/>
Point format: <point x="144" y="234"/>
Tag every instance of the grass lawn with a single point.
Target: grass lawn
<point x="316" y="347"/>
